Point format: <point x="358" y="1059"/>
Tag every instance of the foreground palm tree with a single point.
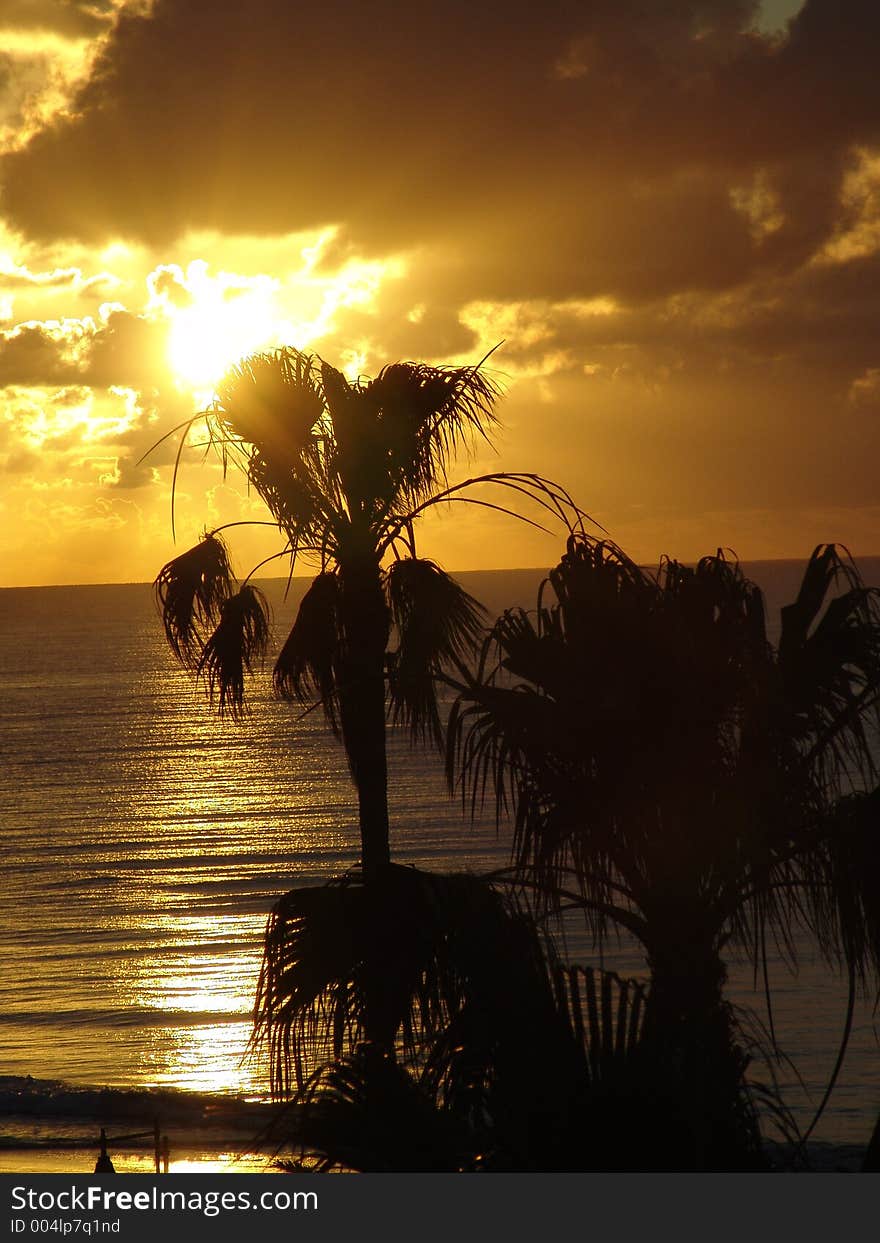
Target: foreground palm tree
<point x="345" y="469"/>
<point x="674" y="774"/>
<point x="497" y="1066"/>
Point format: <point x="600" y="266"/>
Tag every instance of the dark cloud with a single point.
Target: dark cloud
<point x="32" y="356"/>
<point x="424" y="332"/>
<point x="584" y="146"/>
<point x="132" y="473"/>
<point x="21" y="462"/>
<point x="128" y="350"/>
<point x="23" y="78"/>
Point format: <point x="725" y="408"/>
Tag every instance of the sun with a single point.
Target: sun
<point x="216" y="320"/>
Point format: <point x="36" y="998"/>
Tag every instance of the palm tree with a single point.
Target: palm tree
<point x="345" y="470"/>
<point x="674" y="774"/>
<point x="508" y="1058"/>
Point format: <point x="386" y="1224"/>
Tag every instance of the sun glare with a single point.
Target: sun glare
<point x="215" y="321"/>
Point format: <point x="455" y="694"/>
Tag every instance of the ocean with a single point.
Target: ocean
<point x="144" y="841"/>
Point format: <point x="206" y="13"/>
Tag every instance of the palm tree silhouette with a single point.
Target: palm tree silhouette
<point x="345" y="470"/>
<point x="673" y="773"/>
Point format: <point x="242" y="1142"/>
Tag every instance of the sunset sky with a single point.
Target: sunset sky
<point x="669" y="210"/>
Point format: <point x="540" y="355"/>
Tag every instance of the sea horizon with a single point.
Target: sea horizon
<point x="519" y="569"/>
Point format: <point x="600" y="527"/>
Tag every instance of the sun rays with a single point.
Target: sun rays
<point x="213" y="319"/>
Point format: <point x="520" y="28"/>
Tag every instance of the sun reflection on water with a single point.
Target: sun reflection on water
<point x="193" y="993"/>
<point x="211" y="1057"/>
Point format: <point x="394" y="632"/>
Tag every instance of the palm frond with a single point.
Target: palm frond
<point x="606" y="1015"/>
<point x="820" y="573"/>
<point x="829" y="668"/>
<point x="425" y="416"/>
<point x="306" y="665"/>
<point x="416" y="949"/>
<point x="844" y="896"/>
<point x="613" y="722"/>
<point x="190" y="592"/>
<point x="559" y="723"/>
<point x="545" y="495"/>
<point x="272" y="401"/>
<point x="437" y="624"/>
<point x="238" y="642"/>
<point x="370" y="1114"/>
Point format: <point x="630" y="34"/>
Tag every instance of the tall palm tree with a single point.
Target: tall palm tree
<point x="673" y="773"/>
<point x="345" y="469"/>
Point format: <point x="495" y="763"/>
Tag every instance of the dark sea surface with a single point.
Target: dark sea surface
<point x="144" y="841"/>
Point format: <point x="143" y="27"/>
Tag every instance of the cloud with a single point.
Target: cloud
<point x="669" y="212"/>
<point x="667" y="157"/>
<point x="124" y="349"/>
<point x="128" y="350"/>
<point x="865" y="389"/>
<point x="69" y="18"/>
<point x="20" y="462"/>
<point x="38" y="354"/>
<point x="565" y="124"/>
<point x="17" y="276"/>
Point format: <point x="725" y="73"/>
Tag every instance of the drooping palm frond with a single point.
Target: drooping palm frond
<point x="808" y="756"/>
<point x="307" y="663"/>
<point x="437" y="623"/>
<point x="237" y="643"/>
<point x="302" y="500"/>
<point x="547" y="498"/>
<point x="191" y="591"/>
<point x="558" y="726"/>
<point x="634" y="711"/>
<point x="829" y="669"/>
<point x="502" y="1060"/>
<point x="309" y="1007"/>
<point x="840" y="877"/>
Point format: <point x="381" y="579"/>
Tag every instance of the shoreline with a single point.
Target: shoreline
<point x="50" y="1127"/>
<point x="193" y="1157"/>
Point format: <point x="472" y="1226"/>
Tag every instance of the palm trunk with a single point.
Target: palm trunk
<point x="363" y="725"/>
<point x="691" y="1032"/>
<point x="364" y="619"/>
<point x="362" y="707"/>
